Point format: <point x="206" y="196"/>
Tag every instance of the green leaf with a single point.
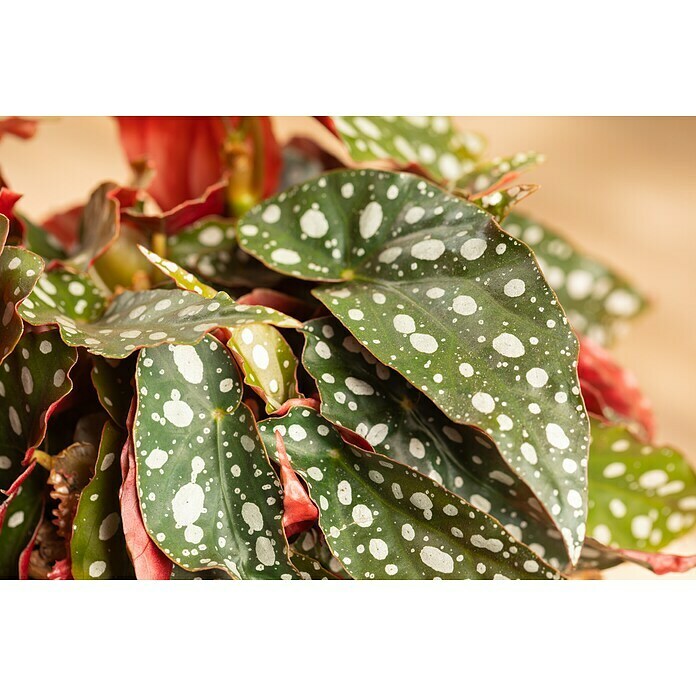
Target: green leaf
<point x="497" y="171"/>
<point x="183" y="279"/>
<point x="19" y="270"/>
<point x="437" y="291"/>
<point x="429" y="141"/>
<point x="268" y="363"/>
<point x="641" y="497"/>
<point x="41" y="241"/>
<point x="112" y="382"/>
<point x="135" y="319"/>
<point x="98" y="548"/>
<point x="385" y="520"/>
<point x="311" y="569"/>
<point x="377" y="403"/>
<point x="179" y="573"/>
<point x="32" y="380"/>
<point x="209" y="249"/>
<point x="312" y="545"/>
<point x="597" y="300"/>
<point x="499" y="202"/>
<point x="22" y="518"/>
<point x="209" y="496"/>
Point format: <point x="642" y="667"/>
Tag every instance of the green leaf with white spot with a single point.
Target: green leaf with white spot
<point x="312" y="545"/>
<point x="32" y="380"/>
<point x="209" y="496"/>
<point x="359" y="393"/>
<point x="179" y="573"/>
<point x="209" y="249"/>
<point x="498" y="203"/>
<point x="98" y="547"/>
<point x="641" y="496"/>
<point x="183" y="278"/>
<point x="112" y="382"/>
<point x="19" y="270"/>
<point x="135" y="319"/>
<point x="497" y="171"/>
<point x="268" y="363"/>
<point x="385" y="520"/>
<point x="597" y="300"/>
<point x="311" y="569"/>
<point x="22" y="517"/>
<point x="428" y="141"/>
<point x="436" y="290"/>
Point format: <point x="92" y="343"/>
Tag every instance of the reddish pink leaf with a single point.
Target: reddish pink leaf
<point x="328" y="123"/>
<point x="659" y="563"/>
<point x="25" y="556"/>
<point x="187" y="155"/>
<point x="291" y="403"/>
<point x="23" y="128"/>
<point x="212" y="202"/>
<point x="148" y="561"/>
<point x="611" y="391"/>
<point x="299" y="512"/>
<point x="65" y="226"/>
<point x="62" y="570"/>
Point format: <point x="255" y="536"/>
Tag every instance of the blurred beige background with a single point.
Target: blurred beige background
<point x="623" y="189"/>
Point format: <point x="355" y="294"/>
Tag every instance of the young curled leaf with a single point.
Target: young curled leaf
<point x="385" y="520"/>
<point x="208" y="494"/>
<point x="434" y="289"/>
<point x="299" y="512"/>
<point x="641" y="496"/>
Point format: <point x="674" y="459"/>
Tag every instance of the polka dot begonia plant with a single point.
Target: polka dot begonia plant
<point x="384" y="371"/>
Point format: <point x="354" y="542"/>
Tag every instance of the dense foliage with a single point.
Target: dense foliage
<point x="261" y="361"/>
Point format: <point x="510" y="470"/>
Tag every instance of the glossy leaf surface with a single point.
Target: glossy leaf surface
<point x="385" y="520"/>
<point x="268" y="363"/>
<point x="112" y="382"/>
<point x="377" y="403"/>
<point x="598" y="301"/>
<point x="434" y="289"/>
<point x="428" y="141"/>
<point x="641" y="497"/>
<point x="98" y="548"/>
<point x="22" y="518"/>
<point x="19" y="271"/>
<point x="32" y="380"/>
<point x="135" y="319"/>
<point x="209" y="496"/>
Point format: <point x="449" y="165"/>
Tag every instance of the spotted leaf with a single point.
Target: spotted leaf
<point x="430" y="142"/>
<point x="209" y="496"/>
<point x="312" y="545"/>
<point x="494" y="174"/>
<point x="33" y="379"/>
<point x="24" y="514"/>
<point x="597" y="300"/>
<point x="19" y="270"/>
<point x="209" y="249"/>
<point x="268" y="363"/>
<point x="134" y="319"/>
<point x="112" y="382"/>
<point x="182" y="278"/>
<point x="641" y="497"/>
<point x="499" y="202"/>
<point x="433" y="288"/>
<point x="377" y="403"/>
<point x="386" y="520"/>
<point x="97" y="547"/>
